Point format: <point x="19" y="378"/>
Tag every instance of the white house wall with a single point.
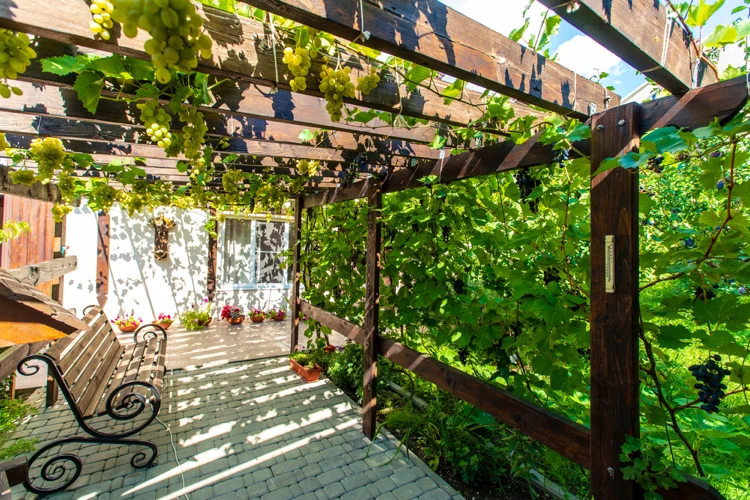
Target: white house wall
<point x="140" y="284"/>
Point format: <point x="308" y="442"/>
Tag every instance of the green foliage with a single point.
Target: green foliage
<point x="12" y="229"/>
<point x="197" y="316"/>
<point x="11" y="411"/>
<point x="649" y="467"/>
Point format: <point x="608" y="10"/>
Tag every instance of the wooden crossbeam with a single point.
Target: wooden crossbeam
<point x="38" y="274"/>
<point x="38" y="191"/>
<point x="434" y="35"/>
<point x="245" y="56"/>
<point x="696" y="108"/>
<point x="641" y="33"/>
<point x="53" y="99"/>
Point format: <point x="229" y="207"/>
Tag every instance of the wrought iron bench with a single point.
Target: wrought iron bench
<point x="98" y="376"/>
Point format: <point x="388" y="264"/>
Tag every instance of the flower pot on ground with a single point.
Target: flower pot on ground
<point x="232" y="314"/>
<point x="198" y="316"/>
<point x="310" y="373"/>
<point x="127" y="324"/>
<point x="257" y="315"/>
<point x="164" y="320"/>
<point x="277" y="314"/>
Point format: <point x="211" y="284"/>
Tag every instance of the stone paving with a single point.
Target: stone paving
<point x="245" y="430"/>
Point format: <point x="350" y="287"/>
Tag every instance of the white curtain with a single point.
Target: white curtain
<point x="238" y="252"/>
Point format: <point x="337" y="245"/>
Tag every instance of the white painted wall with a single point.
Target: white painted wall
<point x="140" y="284"/>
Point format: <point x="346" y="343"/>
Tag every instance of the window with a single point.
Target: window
<point x="251" y="255"/>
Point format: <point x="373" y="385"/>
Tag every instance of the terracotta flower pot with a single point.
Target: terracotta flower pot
<point x="309" y="374"/>
<point x="165" y="324"/>
<point x="280" y="317"/>
<point x="258" y="318"/>
<point x="236" y="321"/>
<point x="128" y="328"/>
<point x="208" y="322"/>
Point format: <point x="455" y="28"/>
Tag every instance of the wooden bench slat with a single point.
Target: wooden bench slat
<point x="117" y="377"/>
<point x="88" y="364"/>
<point x="131" y="373"/>
<point x="58" y="348"/>
<point x="94" y="391"/>
<point x="148" y="366"/>
<point x="68" y="360"/>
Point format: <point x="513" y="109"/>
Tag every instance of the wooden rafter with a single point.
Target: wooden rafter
<point x="249" y="151"/>
<point x="246" y="56"/>
<point x="696" y="108"/>
<point x="641" y="33"/>
<point x="434" y="35"/>
<point x="38" y="191"/>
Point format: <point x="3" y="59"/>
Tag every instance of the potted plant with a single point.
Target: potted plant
<point x="198" y="316"/>
<point x="127" y="324"/>
<point x="164" y="320"/>
<point x="257" y="315"/>
<point x="304" y="365"/>
<point x="277" y="314"/>
<point x="232" y="314"/>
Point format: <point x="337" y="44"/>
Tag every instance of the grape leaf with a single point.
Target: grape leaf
<point x="89" y="86"/>
<point x="63" y="65"/>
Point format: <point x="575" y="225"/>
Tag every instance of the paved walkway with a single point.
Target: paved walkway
<point x="246" y="430"/>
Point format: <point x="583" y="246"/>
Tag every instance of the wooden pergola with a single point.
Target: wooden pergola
<point x="264" y="120"/>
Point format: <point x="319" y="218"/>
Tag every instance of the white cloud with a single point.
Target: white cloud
<point x="586" y="57"/>
<point x="502" y="16"/>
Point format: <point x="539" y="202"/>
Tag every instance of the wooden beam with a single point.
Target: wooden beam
<point x="642" y="34"/>
<point x="119" y="121"/>
<point x="563" y="436"/>
<point x="696" y="108"/>
<point x="37" y="274"/>
<point x="372" y="309"/>
<point x="246" y="149"/>
<point x="37" y="191"/>
<point x="614" y="301"/>
<point x="10" y="358"/>
<point x="296" y="245"/>
<point x="12" y="472"/>
<point x="102" y="258"/>
<point x="431" y="34"/>
<point x="246" y="56"/>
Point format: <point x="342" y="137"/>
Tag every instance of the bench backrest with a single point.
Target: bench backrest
<point x="86" y="358"/>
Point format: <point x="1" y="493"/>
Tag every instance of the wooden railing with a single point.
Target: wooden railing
<point x="568" y="438"/>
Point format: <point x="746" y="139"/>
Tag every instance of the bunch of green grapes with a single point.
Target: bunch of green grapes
<point x="25" y="177"/>
<point x="67" y="185"/>
<point x="194" y="131"/>
<point x="49" y="155"/>
<point x="232" y="180"/>
<point x="298" y="61"/>
<point x="157" y="122"/>
<point x="201" y="167"/>
<point x="15" y="57"/>
<point x="101" y="14"/>
<point x="176" y="33"/>
<point x="223" y="143"/>
<point x="3" y="143"/>
<point x="308" y="168"/>
<point x="336" y="85"/>
<point x="103" y="196"/>
<point x="367" y="83"/>
<point x="60" y="211"/>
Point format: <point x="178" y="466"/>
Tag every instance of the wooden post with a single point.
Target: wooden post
<point x="614" y="304"/>
<point x="296" y="275"/>
<point x="102" y="259"/>
<point x="60" y="231"/>
<point x="212" y="250"/>
<point x="372" y="305"/>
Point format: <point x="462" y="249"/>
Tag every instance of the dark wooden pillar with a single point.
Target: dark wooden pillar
<point x="372" y="305"/>
<point x="296" y="275"/>
<point x="614" y="301"/>
<point x="59" y="244"/>
<point x="213" y="247"/>
<point x="102" y="259"/>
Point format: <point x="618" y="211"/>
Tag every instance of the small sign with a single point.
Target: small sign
<point x="609" y="264"/>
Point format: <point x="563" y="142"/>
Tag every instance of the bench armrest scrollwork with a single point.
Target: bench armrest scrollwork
<point x="148" y="332"/>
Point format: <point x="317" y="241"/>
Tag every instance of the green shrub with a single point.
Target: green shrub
<point x="11" y="412"/>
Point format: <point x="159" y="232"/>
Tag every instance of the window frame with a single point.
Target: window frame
<point x="253" y="285"/>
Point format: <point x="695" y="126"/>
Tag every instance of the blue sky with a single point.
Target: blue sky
<point x="575" y="50"/>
